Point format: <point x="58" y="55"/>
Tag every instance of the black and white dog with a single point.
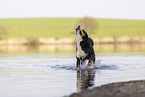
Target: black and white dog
<point x="84" y="48"/>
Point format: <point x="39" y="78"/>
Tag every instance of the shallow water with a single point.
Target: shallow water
<point x="56" y="75"/>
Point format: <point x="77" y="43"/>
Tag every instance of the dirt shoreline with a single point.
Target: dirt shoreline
<point x="119" y="89"/>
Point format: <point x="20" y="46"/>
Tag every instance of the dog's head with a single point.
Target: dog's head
<point x="80" y="32"/>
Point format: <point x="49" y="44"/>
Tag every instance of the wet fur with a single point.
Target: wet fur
<point x="85" y="45"/>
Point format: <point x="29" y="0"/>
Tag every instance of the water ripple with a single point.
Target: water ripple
<point x="97" y="66"/>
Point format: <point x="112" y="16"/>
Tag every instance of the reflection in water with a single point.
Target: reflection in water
<point x="71" y="48"/>
<point x="37" y="49"/>
<point x="120" y="48"/>
<point x="85" y="79"/>
<point x="33" y="48"/>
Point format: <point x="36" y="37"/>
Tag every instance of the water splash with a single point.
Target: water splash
<point x="96" y="66"/>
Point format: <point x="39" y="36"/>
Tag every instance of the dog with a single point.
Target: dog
<point x="84" y="48"/>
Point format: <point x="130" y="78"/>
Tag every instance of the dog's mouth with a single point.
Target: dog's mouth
<point x="80" y="31"/>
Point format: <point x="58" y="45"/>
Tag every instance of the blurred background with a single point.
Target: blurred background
<point x="46" y="25"/>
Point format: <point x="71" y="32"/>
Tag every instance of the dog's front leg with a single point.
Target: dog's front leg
<point x="91" y="61"/>
<point x="90" y="64"/>
<point x="94" y="59"/>
<point x="78" y="62"/>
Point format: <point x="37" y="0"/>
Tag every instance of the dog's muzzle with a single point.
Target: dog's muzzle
<point x="80" y="31"/>
<point x="78" y="28"/>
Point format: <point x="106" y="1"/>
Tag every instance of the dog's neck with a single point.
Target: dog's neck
<point x="78" y="38"/>
<point x="80" y="53"/>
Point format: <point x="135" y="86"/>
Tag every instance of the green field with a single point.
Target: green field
<point x="65" y="27"/>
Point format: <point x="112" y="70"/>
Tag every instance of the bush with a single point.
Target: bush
<point x="88" y="23"/>
<point x="32" y="40"/>
<point x="3" y="32"/>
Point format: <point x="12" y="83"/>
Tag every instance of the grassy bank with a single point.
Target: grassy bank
<point x="64" y="27"/>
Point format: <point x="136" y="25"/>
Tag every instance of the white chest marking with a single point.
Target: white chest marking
<point x="80" y="53"/>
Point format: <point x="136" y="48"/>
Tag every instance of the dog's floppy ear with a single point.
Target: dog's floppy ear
<point x="84" y="33"/>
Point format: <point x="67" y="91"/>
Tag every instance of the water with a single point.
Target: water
<point x="55" y="75"/>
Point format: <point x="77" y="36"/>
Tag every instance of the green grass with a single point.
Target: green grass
<point x="65" y="27"/>
<point x="121" y="28"/>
